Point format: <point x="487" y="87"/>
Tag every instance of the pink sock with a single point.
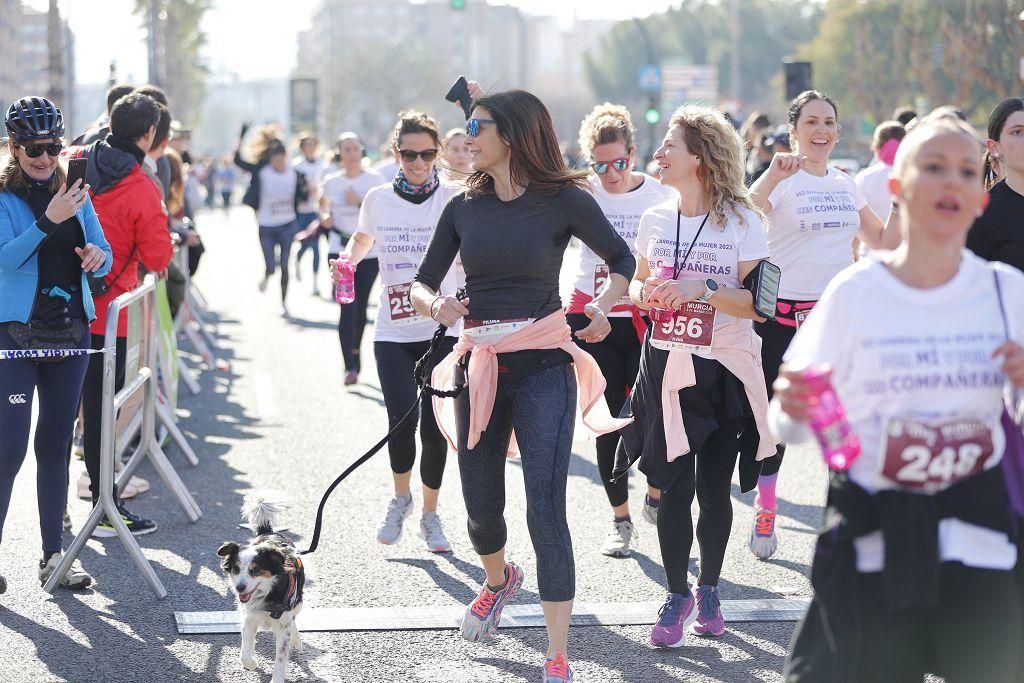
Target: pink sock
<point x="765" y="498"/>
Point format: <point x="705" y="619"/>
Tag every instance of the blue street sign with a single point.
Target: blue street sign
<point x="649" y="78"/>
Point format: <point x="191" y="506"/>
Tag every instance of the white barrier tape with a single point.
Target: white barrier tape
<point x="12" y="354"/>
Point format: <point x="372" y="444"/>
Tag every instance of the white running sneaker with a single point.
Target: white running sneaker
<point x="763" y="541"/>
<point x="263" y="283"/>
<point x="650" y="513"/>
<point x="390" y="530"/>
<point x="76" y="577"/>
<point x="432" y="531"/>
<point x="619" y="540"/>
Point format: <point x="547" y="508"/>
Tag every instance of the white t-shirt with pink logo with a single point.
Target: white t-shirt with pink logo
<point x="811" y="226"/>
<point x="623" y="212"/>
<point x="401" y="232"/>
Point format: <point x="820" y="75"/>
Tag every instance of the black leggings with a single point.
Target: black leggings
<point x="279" y="239"/>
<point x="352" y="322"/>
<point x="92" y="407"/>
<point x="775" y="339"/>
<point x="973" y="634"/>
<point x="542" y="409"/>
<point x="59" y="385"/>
<point x="395" y="364"/>
<point x="710" y="476"/>
<point x="618" y="356"/>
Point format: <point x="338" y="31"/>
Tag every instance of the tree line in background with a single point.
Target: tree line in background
<point x="871" y="55"/>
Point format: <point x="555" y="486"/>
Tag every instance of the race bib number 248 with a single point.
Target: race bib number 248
<point x="932" y="455"/>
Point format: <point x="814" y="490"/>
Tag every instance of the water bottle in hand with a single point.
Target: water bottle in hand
<point x="345" y="289"/>
<point x="840" y="447"/>
<point x="663" y="315"/>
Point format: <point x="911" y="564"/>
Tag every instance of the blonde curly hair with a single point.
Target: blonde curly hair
<point x="711" y="138"/>
<point x="607" y="123"/>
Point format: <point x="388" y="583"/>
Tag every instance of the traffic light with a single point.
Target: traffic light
<point x="458" y="4"/>
<point x="652" y="115"/>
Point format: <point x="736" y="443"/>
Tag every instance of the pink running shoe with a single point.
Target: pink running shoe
<point x="556" y="669"/>
<point x="674" y="617"/>
<point x="710" y="621"/>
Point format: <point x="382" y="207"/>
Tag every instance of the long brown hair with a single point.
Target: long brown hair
<point x="996" y="123"/>
<point x="535" y="160"/>
<point x="14" y="180"/>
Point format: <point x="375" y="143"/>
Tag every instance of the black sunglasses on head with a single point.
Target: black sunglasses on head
<point x="409" y="155"/>
<point x="35" y="149"/>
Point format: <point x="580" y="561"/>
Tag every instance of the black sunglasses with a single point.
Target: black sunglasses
<point x="35" y="150"/>
<point x="473" y="126"/>
<point x="409" y="155"/>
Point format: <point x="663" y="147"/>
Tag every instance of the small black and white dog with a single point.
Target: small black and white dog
<point x="267" y="575"/>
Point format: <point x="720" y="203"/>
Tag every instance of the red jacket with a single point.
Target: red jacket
<point x="131" y="212"/>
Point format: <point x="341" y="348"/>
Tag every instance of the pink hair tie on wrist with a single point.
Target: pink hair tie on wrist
<point x="887" y="152"/>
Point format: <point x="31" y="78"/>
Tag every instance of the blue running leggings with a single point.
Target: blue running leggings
<point x="59" y="386"/>
<point x="542" y="409"/>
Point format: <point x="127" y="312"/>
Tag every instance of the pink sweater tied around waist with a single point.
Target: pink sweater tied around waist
<point x="550" y="332"/>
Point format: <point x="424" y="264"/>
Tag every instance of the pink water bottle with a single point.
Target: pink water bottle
<point x="840" y="447"/>
<point x="345" y="290"/>
<point x="663" y="315"/>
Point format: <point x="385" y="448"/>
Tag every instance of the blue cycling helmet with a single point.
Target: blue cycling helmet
<point x="34" y="118"/>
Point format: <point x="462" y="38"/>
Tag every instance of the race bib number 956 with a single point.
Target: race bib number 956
<point x="933" y="455"/>
<point x="692" y="327"/>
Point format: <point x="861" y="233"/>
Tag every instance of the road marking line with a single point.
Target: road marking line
<point x="513" y="616"/>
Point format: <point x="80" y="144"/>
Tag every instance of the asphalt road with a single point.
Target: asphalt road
<point x="281" y="419"/>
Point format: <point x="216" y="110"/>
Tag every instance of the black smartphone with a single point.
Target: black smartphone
<point x="460" y="93"/>
<point x="76" y="171"/>
<point x="763" y="282"/>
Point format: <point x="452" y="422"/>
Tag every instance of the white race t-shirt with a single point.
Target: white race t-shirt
<point x="811" y="227"/>
<point x="334" y="187"/>
<point x="717" y="253"/>
<point x="312" y="171"/>
<point x="898" y="352"/>
<point x="277" y="197"/>
<point x="873" y="182"/>
<point x="623" y="212"/>
<point x="401" y="232"/>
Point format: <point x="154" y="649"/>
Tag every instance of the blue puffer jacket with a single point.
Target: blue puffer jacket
<point x="19" y="237"/>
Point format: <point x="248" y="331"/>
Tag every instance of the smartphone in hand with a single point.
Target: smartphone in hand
<point x="77" y="169"/>
<point x="460" y="93"/>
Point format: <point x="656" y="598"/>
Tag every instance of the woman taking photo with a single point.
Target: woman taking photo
<point x="274" y="192"/>
<point x="815" y="213"/>
<point x="700" y="400"/>
<point x="400" y="219"/>
<point x="998" y="234"/>
<point x="341" y="195"/>
<point x="922" y="517"/>
<point x="606" y="138"/>
<point x="511" y="226"/>
<point x="50" y="239"/>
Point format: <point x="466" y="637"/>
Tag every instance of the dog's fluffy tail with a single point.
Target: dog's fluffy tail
<point x="260" y="509"/>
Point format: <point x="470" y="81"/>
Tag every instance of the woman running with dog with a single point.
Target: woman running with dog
<point x="511" y="227"/>
<point x="700" y="401"/>
<point x="814" y="215"/>
<point x="399" y="218"/>
<point x="913" y="571"/>
<point x="606" y="138"/>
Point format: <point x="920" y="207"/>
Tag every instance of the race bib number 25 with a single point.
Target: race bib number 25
<point x="932" y="455"/>
<point x="400" y="305"/>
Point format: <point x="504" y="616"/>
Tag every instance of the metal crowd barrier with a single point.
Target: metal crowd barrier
<point x="190" y="321"/>
<point x="140" y="376"/>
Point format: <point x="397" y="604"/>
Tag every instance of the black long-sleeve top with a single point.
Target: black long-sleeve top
<point x="512" y="251"/>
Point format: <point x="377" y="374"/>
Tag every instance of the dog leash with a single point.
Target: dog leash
<point x="423" y="382"/>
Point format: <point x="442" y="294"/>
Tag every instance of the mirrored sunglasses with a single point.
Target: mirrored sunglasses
<point x="601" y="167"/>
<point x="473" y="126"/>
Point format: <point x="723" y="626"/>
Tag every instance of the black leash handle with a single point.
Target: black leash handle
<point x="419" y="375"/>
